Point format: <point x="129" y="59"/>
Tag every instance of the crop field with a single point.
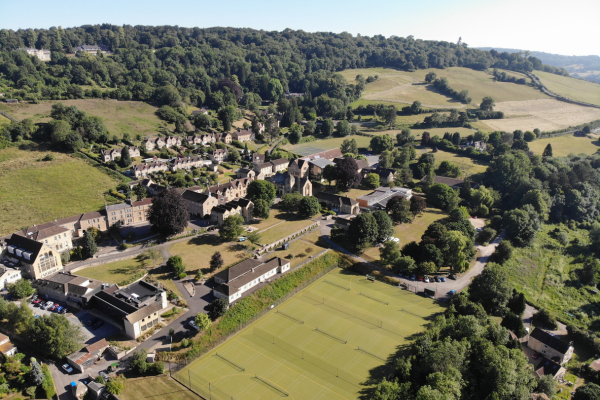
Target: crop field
<point x="565" y="145"/>
<point x="546" y="115"/>
<point x="406" y="87"/>
<point x="323" y="343"/>
<point x="572" y="88"/>
<point x="120" y="117"/>
<point x="34" y="192"/>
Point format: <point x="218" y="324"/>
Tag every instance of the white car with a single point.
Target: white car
<point x="193" y="325"/>
<point x="68" y="369"/>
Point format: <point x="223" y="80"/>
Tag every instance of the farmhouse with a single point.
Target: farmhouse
<point x="51" y="234"/>
<point x="65" y="287"/>
<point x="143" y="170"/>
<point x="379" y="197"/>
<point x="199" y="204"/>
<point x="339" y="204"/>
<point x="35" y="259"/>
<point x="128" y="213"/>
<point x="550" y="346"/>
<point x="245" y="135"/>
<point x="137" y="307"/>
<point x="242" y="277"/>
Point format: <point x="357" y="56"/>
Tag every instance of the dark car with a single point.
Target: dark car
<point x="436" y="279"/>
<point x="452" y="276"/>
<point x="98" y="324"/>
<point x="92" y="321"/>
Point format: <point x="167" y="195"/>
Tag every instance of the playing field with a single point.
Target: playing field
<point x="320" y="344"/>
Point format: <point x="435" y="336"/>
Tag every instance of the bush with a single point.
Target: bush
<point x="100" y="380"/>
<point x="486" y="235"/>
<point x="158" y="368"/>
<point x="185" y="343"/>
<point x="48" y="383"/>
<point x="182" y="275"/>
<point x="114" y="386"/>
<point x="48" y="157"/>
<point x="544" y="319"/>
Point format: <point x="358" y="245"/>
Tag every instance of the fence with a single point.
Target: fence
<point x="269" y="247"/>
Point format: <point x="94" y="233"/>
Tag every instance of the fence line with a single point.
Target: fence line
<point x="290" y="317"/>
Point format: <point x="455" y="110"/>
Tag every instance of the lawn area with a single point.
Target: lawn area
<point x="120" y="117"/>
<point x="352" y="193"/>
<point x="317" y="146"/>
<point x="576" y="89"/>
<point x="276" y="216"/>
<point x="323" y="343"/>
<point x="160" y="387"/>
<point x="468" y="166"/>
<point x="276" y="232"/>
<point x="411" y="232"/>
<point x="565" y="145"/>
<point x="35" y="192"/>
<point x="302" y="248"/>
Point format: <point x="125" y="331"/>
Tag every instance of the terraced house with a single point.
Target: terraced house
<point x="172" y="141"/>
<point x="224" y="137"/>
<point x="200" y="204"/>
<point x="217" y="156"/>
<point x="111" y="155"/>
<point x="35" y="259"/>
<point x="280" y="165"/>
<point x="265" y="169"/>
<point x="231" y="190"/>
<point x="193" y="140"/>
<point x="243" y="207"/>
<point x="128" y="213"/>
<point x="208" y="139"/>
<point x="54" y="236"/>
<point x="78" y="224"/>
<point x="154" y="143"/>
<point x="144" y="170"/>
<point x="244" y="135"/>
<point x="187" y="163"/>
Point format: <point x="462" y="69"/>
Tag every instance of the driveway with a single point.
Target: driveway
<point x="62" y="379"/>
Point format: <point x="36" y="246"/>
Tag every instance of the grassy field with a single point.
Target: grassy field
<point x="283" y="229"/>
<point x="305" y="149"/>
<point x="323" y="343"/>
<point x="160" y="387"/>
<point x="468" y="166"/>
<point x="573" y="88"/>
<point x="119" y="117"/>
<point x="410" y="232"/>
<point x="565" y="145"/>
<point x="406" y="87"/>
<point x="34" y="192"/>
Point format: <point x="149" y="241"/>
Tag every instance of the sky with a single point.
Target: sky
<point x="552" y="26"/>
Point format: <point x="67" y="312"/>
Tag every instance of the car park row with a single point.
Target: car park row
<point x="48" y="305"/>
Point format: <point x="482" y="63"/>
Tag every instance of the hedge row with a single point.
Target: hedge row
<point x="48" y="382"/>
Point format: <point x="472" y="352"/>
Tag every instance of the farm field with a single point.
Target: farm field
<point x="323" y="343"/>
<point x="120" y="117"/>
<point x="572" y="88"/>
<point x="565" y="145"/>
<point x="406" y="87"/>
<point x="161" y="387"/>
<point x="34" y="192"/>
<point x="546" y="115"/>
<point x="410" y="232"/>
<point x="468" y="166"/>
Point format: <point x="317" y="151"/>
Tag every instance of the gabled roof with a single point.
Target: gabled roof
<point x="547" y="367"/>
<point x="144" y="312"/>
<point x="264" y="165"/>
<point x="321" y="162"/>
<point x="280" y="161"/>
<point x="549" y="340"/>
<point x="29" y="245"/>
<point x="448" y="181"/>
<point x="334" y="198"/>
<point x="238" y="269"/>
<point x="97" y="346"/>
<point x="194" y="197"/>
<point x="43" y="231"/>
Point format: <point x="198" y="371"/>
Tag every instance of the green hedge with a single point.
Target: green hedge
<point x="48" y="383"/>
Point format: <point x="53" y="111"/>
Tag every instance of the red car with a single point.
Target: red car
<point x="54" y="307"/>
<point x="37" y="302"/>
<point x="535" y="355"/>
<point x="420" y="278"/>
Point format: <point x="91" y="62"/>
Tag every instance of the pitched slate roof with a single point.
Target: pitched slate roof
<point x="280" y="161"/>
<point x="334" y="198"/>
<point x="321" y="162"/>
<point x="29" y="245"/>
<point x="43" y="231"/>
<point x="194" y="197"/>
<point x="549" y="340"/>
<point x="144" y="312"/>
<point x="238" y="269"/>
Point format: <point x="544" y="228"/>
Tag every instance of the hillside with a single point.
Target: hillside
<point x="573" y="88"/>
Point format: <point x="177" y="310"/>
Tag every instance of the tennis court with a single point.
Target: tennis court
<point x="319" y="344"/>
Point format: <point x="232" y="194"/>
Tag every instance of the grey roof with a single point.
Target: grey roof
<point x="280" y="161"/>
<point x="279" y="178"/>
<point x="194" y="197"/>
<point x="321" y="162"/>
<point x="144" y="312"/>
<point x="238" y="269"/>
<point x="549" y="340"/>
<point x="448" y="181"/>
<point x="29" y="245"/>
<point x="334" y="198"/>
<point x="119" y="206"/>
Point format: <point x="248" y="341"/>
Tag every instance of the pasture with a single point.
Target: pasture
<point x="565" y="145"/>
<point x="34" y="191"/>
<point x="467" y="165"/>
<point x="573" y="88"/>
<point x="120" y="117"/>
<point x="323" y="343"/>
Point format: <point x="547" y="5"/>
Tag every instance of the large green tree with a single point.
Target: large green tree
<point x="168" y="213"/>
<point x="263" y="190"/>
<point x="89" y="247"/>
<point x="385" y="227"/>
<point x="262" y="209"/>
<point x="232" y="227"/>
<point x="492" y="289"/>
<point x="365" y="231"/>
<point x="309" y="206"/>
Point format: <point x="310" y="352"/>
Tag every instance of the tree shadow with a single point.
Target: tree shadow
<point x="208" y="240"/>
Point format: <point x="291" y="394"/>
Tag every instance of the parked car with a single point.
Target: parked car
<point x="535" y="355"/>
<point x="98" y="324"/>
<point x="104" y="375"/>
<point x="452" y="276"/>
<point x="92" y="321"/>
<point x="436" y="279"/>
<point x="34" y="297"/>
<point x="68" y="369"/>
<point x="426" y="279"/>
<point x="412" y="278"/>
<point x="242" y="239"/>
<point x="442" y="279"/>
<point x="193" y="325"/>
<point x="54" y="307"/>
<point x="47" y="305"/>
<point x="420" y="278"/>
<point x="64" y="310"/>
<point x="452" y="292"/>
<point x="38" y="302"/>
<point x="59" y="309"/>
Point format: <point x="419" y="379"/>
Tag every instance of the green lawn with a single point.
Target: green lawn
<point x="565" y="145"/>
<point x="155" y="387"/>
<point x="468" y="166"/>
<point x="35" y="192"/>
<point x="308" y="347"/>
<point x="276" y="216"/>
<point x="115" y="272"/>
<point x="317" y="146"/>
<point x="282" y="230"/>
<point x="410" y="232"/>
<point x="576" y="89"/>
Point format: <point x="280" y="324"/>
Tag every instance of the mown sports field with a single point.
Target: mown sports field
<point x="320" y="344"/>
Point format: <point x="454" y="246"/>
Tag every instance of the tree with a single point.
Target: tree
<point x="349" y="146"/>
<point x="389" y="116"/>
<point x="216" y="261"/>
<point x="175" y="264"/>
<point x="343" y="128"/>
<point x="260" y="189"/>
<point x="139" y="364"/>
<point x="404" y="265"/>
<point x="330" y="173"/>
<point x="446" y="168"/>
<point x="415" y="107"/>
<point x="89" y="247"/>
<point x="168" y="213"/>
<point x="327" y="128"/>
<point x="115" y="386"/>
<point x="295" y="133"/>
<point x="425" y="139"/>
<point x="203" y="321"/>
<point x="428" y="252"/>
<point x="492" y="289"/>
<point x="153" y="255"/>
<point x="275" y="90"/>
<point x="364" y="230"/>
<point x="487" y="104"/>
<point x="456" y="246"/>
<point x="521" y="226"/>
<point x="427" y="268"/>
<point x="54" y="336"/>
<point x="586" y="129"/>
<point x="125" y="157"/>
<point x="430" y="77"/>
<point x="308" y="207"/>
<point x="385" y="227"/>
<point x="20" y="289"/>
<point x="372" y="181"/>
<point x="232" y="227"/>
<point x="589" y="391"/>
<point x="547" y="151"/>
<point x="517" y="303"/>
<point x="442" y="196"/>
<point x="347" y="173"/>
<point x="514" y="323"/>
<point x="390" y="252"/>
<point x="404" y="137"/>
<point x="547" y="385"/>
<point x="589" y="274"/>
<point x="381" y="143"/>
<point x="544" y="319"/>
<point x="503" y="252"/>
<point x="36" y="376"/>
<point x="418" y="205"/>
<point x="218" y="308"/>
<point x="140" y="191"/>
<point x="290" y="202"/>
<point x="399" y="209"/>
<point x="262" y="209"/>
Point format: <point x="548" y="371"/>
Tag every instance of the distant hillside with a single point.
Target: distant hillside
<point x="587" y="67"/>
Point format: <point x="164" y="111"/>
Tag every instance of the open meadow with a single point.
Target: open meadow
<point x="565" y="145"/>
<point x="325" y="342"/>
<point x="120" y="117"/>
<point x="34" y="191"/>
<point x="573" y="88"/>
<point x="468" y="166"/>
<point x="405" y="87"/>
<point x="159" y="387"/>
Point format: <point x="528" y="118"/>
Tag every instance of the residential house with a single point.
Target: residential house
<point x="244" y="135"/>
<point x="379" y="198"/>
<point x="329" y="154"/>
<point x="66" y="287"/>
<point x="42" y="55"/>
<point x="224" y="137"/>
<point x="200" y="204"/>
<point x="154" y="143"/>
<point x="256" y="158"/>
<point x="86" y="357"/>
<point x="128" y="213"/>
<point x="246" y="173"/>
<point x="80" y="223"/>
<point x="91" y="48"/>
<point x="264" y="169"/>
<point x="546" y="366"/>
<point x="35" y="259"/>
<point x="218" y="155"/>
<point x="111" y="155"/>
<point x="231" y="190"/>
<point x="187" y="163"/>
<point x="343" y="222"/>
<point x="386" y="175"/>
<point x="317" y="166"/>
<point x="96" y="390"/>
<point x="243" y="207"/>
<point x="339" y="204"/>
<point x="171" y="141"/>
<point x="145" y="182"/>
<point x="143" y="170"/>
<point x="299" y="168"/>
<point x="280" y="164"/>
<point x="235" y="281"/>
<point x="8" y="275"/>
<point x="137" y="307"/>
<point x="7" y="349"/>
<point x="550" y="346"/>
<point x="51" y="234"/>
<point x="480" y="146"/>
<point x="193" y="140"/>
<point x="208" y="139"/>
<point x="287" y="183"/>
